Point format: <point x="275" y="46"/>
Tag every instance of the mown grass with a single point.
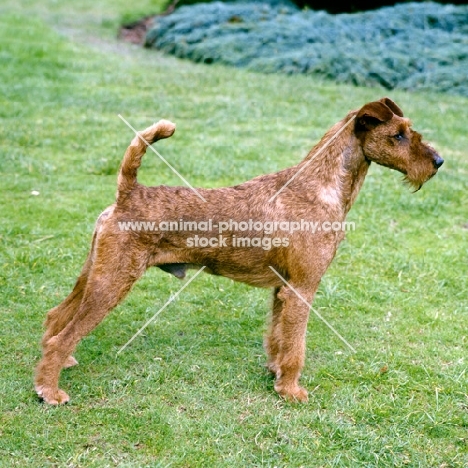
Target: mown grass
<point x="192" y="390"/>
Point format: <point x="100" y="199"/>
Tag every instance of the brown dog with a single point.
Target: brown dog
<point x="321" y="188"/>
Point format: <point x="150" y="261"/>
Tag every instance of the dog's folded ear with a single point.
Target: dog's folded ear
<point x="392" y="106"/>
<point x="372" y="114"/>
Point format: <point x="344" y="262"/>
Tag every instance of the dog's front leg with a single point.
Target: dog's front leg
<point x="289" y="337"/>
<point x="273" y="338"/>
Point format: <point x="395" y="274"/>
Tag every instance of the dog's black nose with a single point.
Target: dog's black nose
<point x="437" y="161"/>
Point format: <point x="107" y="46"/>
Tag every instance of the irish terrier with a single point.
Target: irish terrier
<point x="322" y="188"/>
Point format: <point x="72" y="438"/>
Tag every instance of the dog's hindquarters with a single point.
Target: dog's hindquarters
<point x="107" y="275"/>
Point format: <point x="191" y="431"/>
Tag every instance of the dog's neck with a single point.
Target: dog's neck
<point x="335" y="169"/>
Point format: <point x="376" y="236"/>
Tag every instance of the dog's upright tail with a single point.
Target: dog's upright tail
<point x="127" y="178"/>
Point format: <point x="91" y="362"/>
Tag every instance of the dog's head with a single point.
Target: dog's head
<point x="386" y="137"/>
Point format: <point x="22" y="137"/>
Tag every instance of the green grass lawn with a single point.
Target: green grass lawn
<point x="192" y="391"/>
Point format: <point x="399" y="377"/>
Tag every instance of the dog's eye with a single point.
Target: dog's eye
<point x="399" y="136"/>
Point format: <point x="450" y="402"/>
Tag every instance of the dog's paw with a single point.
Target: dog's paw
<point x="70" y="362"/>
<point x="292" y="393"/>
<point x="52" y="396"/>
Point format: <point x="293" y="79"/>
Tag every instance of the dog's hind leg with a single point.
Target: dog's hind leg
<point x="58" y="317"/>
<point x="111" y="276"/>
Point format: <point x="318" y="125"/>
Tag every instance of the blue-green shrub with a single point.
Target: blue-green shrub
<point x="408" y="46"/>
